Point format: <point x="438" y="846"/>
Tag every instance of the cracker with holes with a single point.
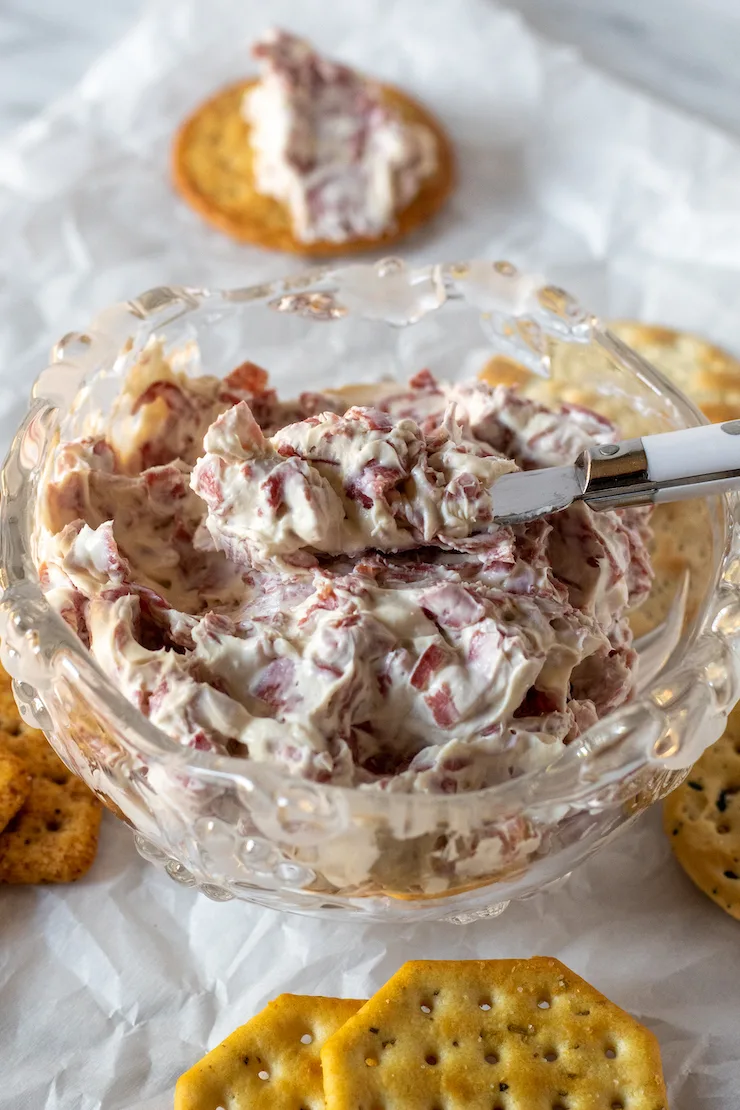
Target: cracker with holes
<point x="702" y="820"/>
<point x="272" y="1062"/>
<point x="491" y="1035"/>
<point x="53" y="836"/>
<point x="710" y="376"/>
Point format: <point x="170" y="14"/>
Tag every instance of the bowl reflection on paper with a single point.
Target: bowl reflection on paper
<point x="236" y="828"/>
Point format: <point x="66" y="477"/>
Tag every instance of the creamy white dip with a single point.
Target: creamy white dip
<point x="321" y="587"/>
<point x="328" y="147"/>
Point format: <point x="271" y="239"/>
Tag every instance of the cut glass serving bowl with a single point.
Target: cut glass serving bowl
<point x="235" y="828"/>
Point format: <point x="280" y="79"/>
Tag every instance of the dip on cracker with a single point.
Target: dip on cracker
<point x="313" y="156"/>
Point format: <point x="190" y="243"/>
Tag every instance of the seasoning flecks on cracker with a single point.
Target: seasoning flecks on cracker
<point x="707" y="374"/>
<point x="702" y="820"/>
<point x="271" y="1062"/>
<point x="491" y="1035"/>
<point x="53" y="835"/>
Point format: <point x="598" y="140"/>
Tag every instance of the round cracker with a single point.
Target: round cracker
<point x="702" y="820"/>
<point x="212" y="168"/>
<point x="707" y="374"/>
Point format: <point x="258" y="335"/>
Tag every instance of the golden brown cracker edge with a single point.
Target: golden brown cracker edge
<point x="15" y="785"/>
<point x="271" y="1062"/>
<point x="477" y="1035"/>
<point x="10" y="717"/>
<point x="701" y="819"/>
<point x="212" y="171"/>
<point x="53" y="835"/>
<point x="706" y="373"/>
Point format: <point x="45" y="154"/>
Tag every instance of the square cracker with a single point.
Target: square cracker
<point x="272" y="1062"/>
<point x="491" y="1035"/>
<point x="15" y="786"/>
<point x="53" y="836"/>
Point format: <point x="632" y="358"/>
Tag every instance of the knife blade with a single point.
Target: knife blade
<point x="525" y="495"/>
<point x="668" y="466"/>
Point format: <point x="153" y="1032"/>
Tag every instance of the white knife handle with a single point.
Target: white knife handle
<point x="670" y="466"/>
<point x="713" y="450"/>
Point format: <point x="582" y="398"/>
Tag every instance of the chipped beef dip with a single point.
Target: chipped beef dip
<point x="327" y="146"/>
<point x="319" y="587"/>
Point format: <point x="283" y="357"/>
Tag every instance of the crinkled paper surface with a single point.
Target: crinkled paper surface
<point x="110" y="988"/>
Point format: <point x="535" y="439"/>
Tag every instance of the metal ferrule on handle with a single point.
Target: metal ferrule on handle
<point x="670" y="466"/>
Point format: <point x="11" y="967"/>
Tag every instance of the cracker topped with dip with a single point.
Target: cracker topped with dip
<point x="312" y="157"/>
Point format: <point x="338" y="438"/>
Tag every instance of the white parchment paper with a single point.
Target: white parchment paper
<point x="110" y="988"/>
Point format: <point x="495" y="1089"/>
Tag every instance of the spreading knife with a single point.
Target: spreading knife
<point x="668" y="466"/>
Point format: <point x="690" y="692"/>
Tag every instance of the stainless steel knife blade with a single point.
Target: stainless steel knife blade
<point x="527" y="494"/>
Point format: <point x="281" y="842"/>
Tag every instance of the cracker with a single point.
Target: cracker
<point x="502" y="370"/>
<point x="15" y="786"/>
<point x="682" y="543"/>
<point x="53" y="836"/>
<point x="30" y="745"/>
<point x="707" y="374"/>
<point x="702" y="820"/>
<point x="212" y="170"/>
<point x="10" y="718"/>
<point x="272" y="1062"/>
<point x="491" y="1035"/>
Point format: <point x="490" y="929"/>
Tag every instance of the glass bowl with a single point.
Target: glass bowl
<point x="234" y="828"/>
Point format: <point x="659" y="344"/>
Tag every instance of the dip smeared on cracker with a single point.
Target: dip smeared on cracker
<point x="328" y="147"/>
<point x="312" y="157"/>
<point x="318" y="586"/>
